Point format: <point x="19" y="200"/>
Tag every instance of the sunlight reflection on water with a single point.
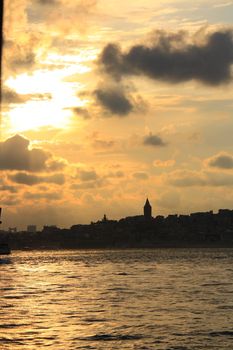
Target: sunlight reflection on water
<point x="137" y="299"/>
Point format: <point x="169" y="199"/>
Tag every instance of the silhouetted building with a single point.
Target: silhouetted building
<point x="31" y="228"/>
<point x="12" y="229"/>
<point x="147" y="210"/>
<point x="104" y="218"/>
<point x="50" y="229"/>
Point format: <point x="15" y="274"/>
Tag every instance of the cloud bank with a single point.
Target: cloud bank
<point x="172" y="58"/>
<point x="30" y="180"/>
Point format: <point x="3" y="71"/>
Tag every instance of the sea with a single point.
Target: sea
<point x="162" y="299"/>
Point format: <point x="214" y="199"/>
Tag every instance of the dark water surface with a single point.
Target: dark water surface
<point x="164" y="299"/>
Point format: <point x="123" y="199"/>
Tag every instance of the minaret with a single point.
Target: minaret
<point x="147" y="210"/>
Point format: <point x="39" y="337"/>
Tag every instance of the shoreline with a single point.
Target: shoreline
<point x="115" y="248"/>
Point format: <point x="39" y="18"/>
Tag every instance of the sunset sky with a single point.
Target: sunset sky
<point x="107" y="102"/>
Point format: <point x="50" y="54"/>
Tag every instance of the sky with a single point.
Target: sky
<point x="106" y="103"/>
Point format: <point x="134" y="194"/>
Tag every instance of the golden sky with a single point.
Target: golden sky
<point x="107" y="102"/>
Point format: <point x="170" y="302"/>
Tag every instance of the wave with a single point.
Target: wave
<point x="111" y="337"/>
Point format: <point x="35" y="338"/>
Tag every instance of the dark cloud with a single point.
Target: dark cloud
<point x="87" y="175"/>
<point x="56" y="164"/>
<point x="140" y="175"/>
<point x="23" y="60"/>
<point x="20" y="56"/>
<point x="222" y="161"/>
<point x="88" y="179"/>
<point x="16" y="155"/>
<point x="153" y="140"/>
<point x="30" y="180"/>
<point x="48" y="2"/>
<point x="11" y="97"/>
<point x="115" y="100"/>
<point x="43" y="195"/>
<point x="8" y="188"/>
<point x="81" y="112"/>
<point x="171" y="58"/>
<point x="61" y="16"/>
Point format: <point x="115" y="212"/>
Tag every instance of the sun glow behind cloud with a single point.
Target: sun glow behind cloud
<point x="36" y="114"/>
<point x="52" y="111"/>
<point x="77" y="60"/>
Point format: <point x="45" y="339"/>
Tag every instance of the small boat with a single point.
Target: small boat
<point x="4" y="249"/>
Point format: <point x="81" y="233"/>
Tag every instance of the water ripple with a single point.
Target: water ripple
<point x="160" y="299"/>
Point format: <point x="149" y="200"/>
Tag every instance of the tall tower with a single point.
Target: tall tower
<point x="147" y="210"/>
